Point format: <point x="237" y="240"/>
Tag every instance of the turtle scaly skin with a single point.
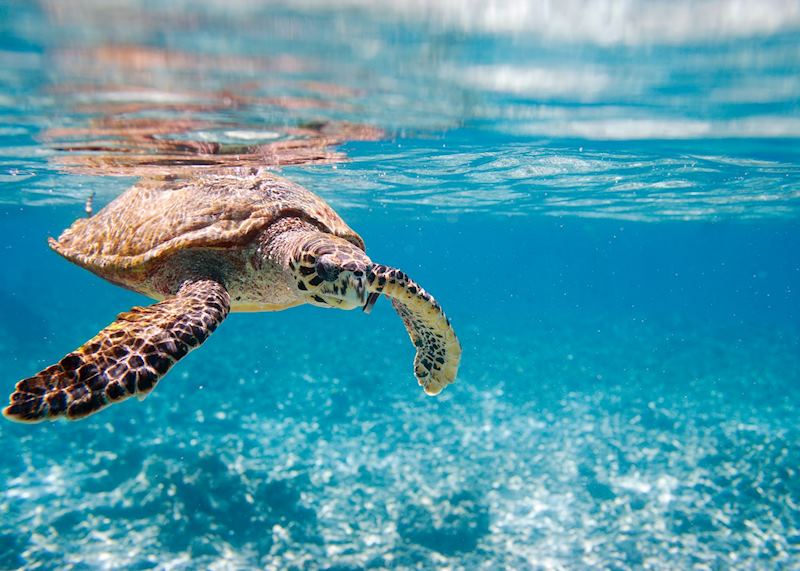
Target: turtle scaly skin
<point x="206" y="246"/>
<point x="126" y="358"/>
<point x="427" y="325"/>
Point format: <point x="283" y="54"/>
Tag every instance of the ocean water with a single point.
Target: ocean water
<point x="603" y="196"/>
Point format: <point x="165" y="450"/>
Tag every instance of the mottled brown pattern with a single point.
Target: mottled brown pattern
<point x="438" y="350"/>
<point x="252" y="242"/>
<point x="158" y="217"/>
<point x="126" y="358"/>
<point x="331" y="270"/>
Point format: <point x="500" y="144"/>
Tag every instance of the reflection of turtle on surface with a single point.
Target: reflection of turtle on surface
<point x="205" y="246"/>
<point x="146" y="147"/>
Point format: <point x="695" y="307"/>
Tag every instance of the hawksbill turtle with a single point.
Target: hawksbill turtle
<point x="204" y="246"/>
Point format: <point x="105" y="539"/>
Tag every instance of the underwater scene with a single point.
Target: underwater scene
<point x="602" y="196"/>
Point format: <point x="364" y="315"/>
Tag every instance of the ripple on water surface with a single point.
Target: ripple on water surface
<point x="592" y="441"/>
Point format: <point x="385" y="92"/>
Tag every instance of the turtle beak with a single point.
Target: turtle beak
<point x="371" y="299"/>
<point x="367" y="299"/>
<point x="361" y="292"/>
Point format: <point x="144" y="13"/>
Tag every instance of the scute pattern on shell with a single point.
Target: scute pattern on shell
<point x="158" y="217"/>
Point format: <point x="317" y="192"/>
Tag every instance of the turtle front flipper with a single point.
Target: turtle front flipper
<point x="126" y="358"/>
<point x="438" y="349"/>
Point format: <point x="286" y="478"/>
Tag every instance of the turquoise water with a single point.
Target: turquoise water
<point x="604" y="197"/>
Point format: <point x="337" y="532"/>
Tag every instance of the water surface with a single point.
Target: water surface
<point x="604" y="197"/>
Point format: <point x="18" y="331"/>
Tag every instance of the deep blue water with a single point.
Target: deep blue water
<point x="604" y="197"/>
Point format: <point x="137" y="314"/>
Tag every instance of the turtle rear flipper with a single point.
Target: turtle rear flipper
<point x="438" y="349"/>
<point x="126" y="358"/>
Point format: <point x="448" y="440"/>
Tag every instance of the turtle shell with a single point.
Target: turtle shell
<point x="157" y="217"/>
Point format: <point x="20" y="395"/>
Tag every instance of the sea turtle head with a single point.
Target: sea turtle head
<point x="331" y="272"/>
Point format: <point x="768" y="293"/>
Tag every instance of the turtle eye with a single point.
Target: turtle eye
<point x="327" y="269"/>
